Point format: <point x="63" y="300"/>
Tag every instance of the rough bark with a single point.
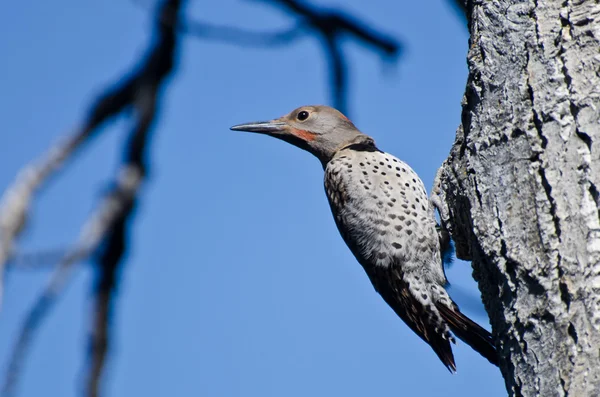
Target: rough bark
<point x="522" y="188"/>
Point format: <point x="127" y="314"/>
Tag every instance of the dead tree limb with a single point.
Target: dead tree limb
<point x="106" y="232"/>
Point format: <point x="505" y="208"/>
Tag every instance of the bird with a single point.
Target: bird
<point x="383" y="213"/>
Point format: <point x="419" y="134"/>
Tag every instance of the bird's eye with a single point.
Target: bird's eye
<point x="303" y="115"/>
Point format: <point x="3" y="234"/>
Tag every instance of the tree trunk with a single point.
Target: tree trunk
<point x="522" y="188"/>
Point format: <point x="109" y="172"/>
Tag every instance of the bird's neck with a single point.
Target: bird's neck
<point x="360" y="143"/>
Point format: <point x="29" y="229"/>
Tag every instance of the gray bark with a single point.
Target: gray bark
<point x="522" y="188"/>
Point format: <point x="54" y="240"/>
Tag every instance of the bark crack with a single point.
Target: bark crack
<point x="596" y="196"/>
<point x="548" y="190"/>
<point x="537" y="122"/>
<point x="573" y="108"/>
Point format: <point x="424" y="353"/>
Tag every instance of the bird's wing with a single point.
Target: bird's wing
<point x="394" y="289"/>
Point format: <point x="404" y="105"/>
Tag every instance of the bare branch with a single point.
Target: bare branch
<point x="15" y="203"/>
<point x="338" y="75"/>
<point x="107" y="226"/>
<point x="90" y="237"/>
<point x="329" y="26"/>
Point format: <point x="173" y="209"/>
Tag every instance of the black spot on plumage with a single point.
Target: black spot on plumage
<point x="401" y="217"/>
<point x="397" y="168"/>
<point x="404" y="206"/>
<point x="383" y="173"/>
<point x="409" y="232"/>
<point x="413" y="207"/>
<point x="385" y="223"/>
<point x="389" y="166"/>
<point x="398" y="175"/>
<point x="390" y="204"/>
<point x="398" y="228"/>
<point x="392" y="216"/>
<point x="365" y="173"/>
<point x="381" y="163"/>
<point x="408" y="222"/>
<point x="382" y="232"/>
<point x="382" y="255"/>
<point x="424" y="296"/>
<point x="407" y="184"/>
<point x="397" y="246"/>
<point x="423" y="207"/>
<point x="393" y="200"/>
<point x="386" y="182"/>
<point x="376" y="167"/>
<point x="362" y="164"/>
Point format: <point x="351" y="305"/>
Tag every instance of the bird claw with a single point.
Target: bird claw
<point x="437" y="198"/>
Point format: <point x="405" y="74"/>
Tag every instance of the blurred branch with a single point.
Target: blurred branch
<point x="242" y="37"/>
<point x="106" y="230"/>
<point x="330" y="26"/>
<point x="15" y="203"/>
<point x="43" y="259"/>
<point x="91" y="235"/>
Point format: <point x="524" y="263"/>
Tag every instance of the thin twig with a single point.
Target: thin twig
<point x="242" y="37"/>
<point x="35" y="260"/>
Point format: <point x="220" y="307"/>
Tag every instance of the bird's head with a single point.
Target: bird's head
<point x="321" y="130"/>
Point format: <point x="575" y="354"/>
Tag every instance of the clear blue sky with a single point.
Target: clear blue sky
<point x="237" y="283"/>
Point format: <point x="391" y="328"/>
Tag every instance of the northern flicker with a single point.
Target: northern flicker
<point x="382" y="211"/>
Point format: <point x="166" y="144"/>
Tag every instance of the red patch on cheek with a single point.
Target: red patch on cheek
<point x="304" y="135"/>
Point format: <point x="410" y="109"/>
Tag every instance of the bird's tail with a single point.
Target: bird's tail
<point x="469" y="332"/>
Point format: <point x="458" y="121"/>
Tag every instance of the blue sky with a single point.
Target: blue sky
<point x="237" y="282"/>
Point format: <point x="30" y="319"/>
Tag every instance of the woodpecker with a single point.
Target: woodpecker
<point x="382" y="211"/>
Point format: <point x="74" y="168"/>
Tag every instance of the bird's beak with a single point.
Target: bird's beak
<point x="265" y="127"/>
